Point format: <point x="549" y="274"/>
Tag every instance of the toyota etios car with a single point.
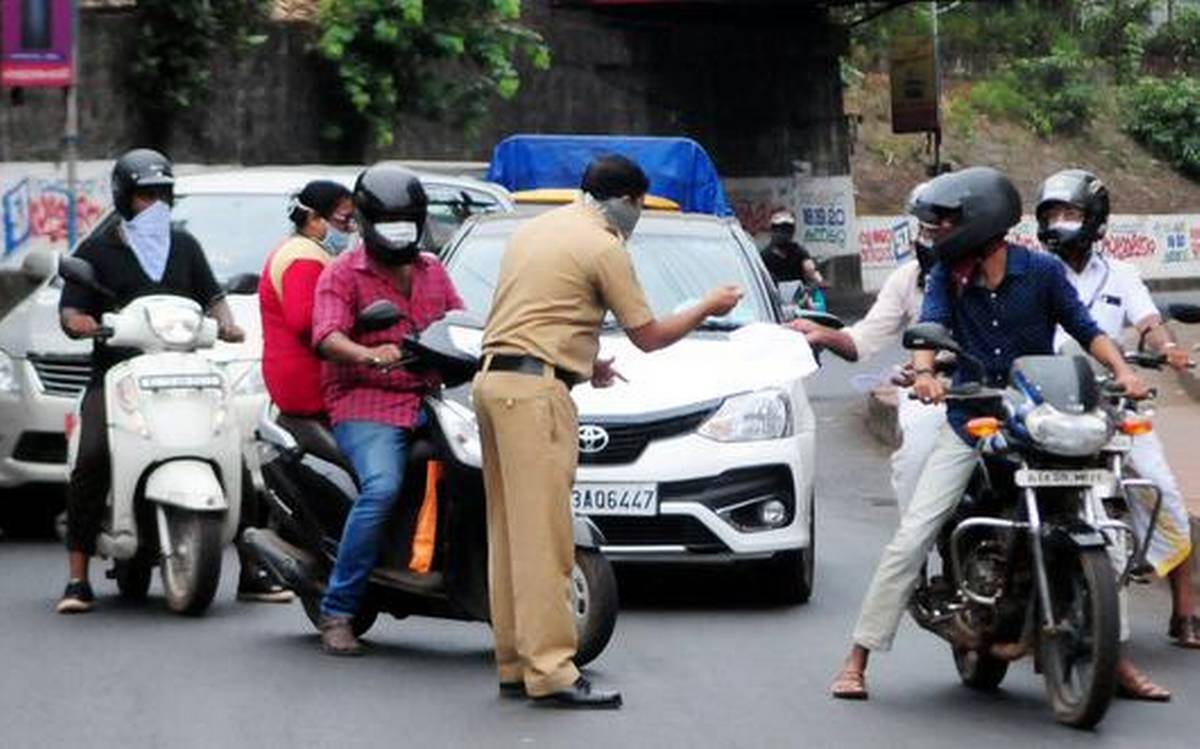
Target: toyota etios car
<point x="706" y="453"/>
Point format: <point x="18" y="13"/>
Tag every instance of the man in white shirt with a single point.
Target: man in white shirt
<point x="896" y="307"/>
<point x="1072" y="212"/>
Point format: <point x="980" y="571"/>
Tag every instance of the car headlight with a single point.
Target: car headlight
<point x="175" y="324"/>
<point x="761" y="415"/>
<point x="8" y="374"/>
<point x="1068" y="434"/>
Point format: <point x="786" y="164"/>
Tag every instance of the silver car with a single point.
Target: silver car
<point x="239" y="217"/>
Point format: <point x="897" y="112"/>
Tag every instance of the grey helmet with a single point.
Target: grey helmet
<point x="1083" y="190"/>
<point x="982" y="204"/>
<point x="141" y="170"/>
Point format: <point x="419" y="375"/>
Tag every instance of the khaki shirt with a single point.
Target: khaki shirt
<point x="561" y="272"/>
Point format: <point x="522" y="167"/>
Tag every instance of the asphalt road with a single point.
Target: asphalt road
<point x="702" y="662"/>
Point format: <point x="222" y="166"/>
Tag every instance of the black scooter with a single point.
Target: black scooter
<point x="311" y="486"/>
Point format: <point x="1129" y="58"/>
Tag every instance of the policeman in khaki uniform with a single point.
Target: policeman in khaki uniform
<point x="561" y="272"/>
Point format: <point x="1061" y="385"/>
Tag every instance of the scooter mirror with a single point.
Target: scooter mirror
<point x="242" y="283"/>
<point x="1184" y="313"/>
<point x="930" y="336"/>
<point x="378" y="315"/>
<point x="79" y="271"/>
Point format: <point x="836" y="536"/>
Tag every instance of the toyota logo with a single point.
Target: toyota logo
<point x="592" y="438"/>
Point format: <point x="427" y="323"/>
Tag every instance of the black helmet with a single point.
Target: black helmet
<point x="1084" y="191"/>
<point x="391" y="206"/>
<point x="139" y="170"/>
<point x="981" y="202"/>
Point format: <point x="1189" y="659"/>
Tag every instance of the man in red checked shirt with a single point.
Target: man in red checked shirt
<point x="373" y="404"/>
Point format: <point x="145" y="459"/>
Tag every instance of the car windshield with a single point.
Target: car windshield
<point x="675" y="268"/>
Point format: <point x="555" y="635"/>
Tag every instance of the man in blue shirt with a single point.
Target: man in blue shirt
<point x="1001" y="302"/>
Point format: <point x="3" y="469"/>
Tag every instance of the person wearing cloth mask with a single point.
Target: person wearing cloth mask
<point x="139" y="255"/>
<point x="1072" y="212"/>
<point x="897" y="307"/>
<point x="374" y="403"/>
<point x="560" y="274"/>
<point x="323" y="216"/>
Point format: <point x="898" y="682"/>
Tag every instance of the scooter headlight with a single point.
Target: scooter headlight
<point x="175" y="324"/>
<point x="761" y="415"/>
<point x="462" y="432"/>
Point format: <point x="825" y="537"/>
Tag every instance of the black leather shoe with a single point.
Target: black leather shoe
<point x="581" y="695"/>
<point x="513" y="689"/>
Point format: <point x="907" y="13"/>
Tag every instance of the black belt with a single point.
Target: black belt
<point x="530" y="365"/>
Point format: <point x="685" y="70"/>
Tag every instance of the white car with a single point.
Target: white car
<point x="239" y="217"/>
<point x="707" y="453"/>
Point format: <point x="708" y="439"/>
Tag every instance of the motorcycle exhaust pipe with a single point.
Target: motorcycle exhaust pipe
<point x="290" y="566"/>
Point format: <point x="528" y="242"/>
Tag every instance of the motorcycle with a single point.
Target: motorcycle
<point x="1024" y="563"/>
<point x="174" y="446"/>
<point x="311" y="486"/>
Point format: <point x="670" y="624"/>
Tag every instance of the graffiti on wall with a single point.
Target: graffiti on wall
<point x="34" y="207"/>
<point x="823" y="206"/>
<point x="1159" y="246"/>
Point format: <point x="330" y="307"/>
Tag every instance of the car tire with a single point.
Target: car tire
<point x="792" y="574"/>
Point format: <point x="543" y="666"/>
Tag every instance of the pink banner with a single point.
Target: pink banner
<point x="36" y="50"/>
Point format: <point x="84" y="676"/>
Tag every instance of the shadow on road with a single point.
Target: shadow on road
<point x="719" y="588"/>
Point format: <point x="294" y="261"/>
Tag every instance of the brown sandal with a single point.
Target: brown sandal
<point x="1142" y="689"/>
<point x="1185" y="632"/>
<point x="849" y="685"/>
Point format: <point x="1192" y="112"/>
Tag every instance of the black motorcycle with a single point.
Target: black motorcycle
<point x="1024" y="560"/>
<point x="311" y="488"/>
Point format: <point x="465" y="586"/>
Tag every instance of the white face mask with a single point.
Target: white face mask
<point x="398" y="232"/>
<point x="149" y="236"/>
<point x="1066" y="226"/>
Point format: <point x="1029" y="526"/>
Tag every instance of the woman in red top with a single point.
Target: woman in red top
<point x="323" y="214"/>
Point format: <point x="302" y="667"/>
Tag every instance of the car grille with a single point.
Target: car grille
<point x="627" y="439"/>
<point x="41" y="447"/>
<point x="62" y="375"/>
<point x="660" y="530"/>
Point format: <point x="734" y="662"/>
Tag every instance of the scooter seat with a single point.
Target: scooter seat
<point x="315" y="438"/>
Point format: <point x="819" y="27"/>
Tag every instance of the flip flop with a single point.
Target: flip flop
<point x="1143" y="690"/>
<point x="849" y="685"/>
<point x="1185" y="632"/>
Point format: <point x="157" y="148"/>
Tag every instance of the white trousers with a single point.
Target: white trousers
<point x="1171" y="543"/>
<point x="920" y="423"/>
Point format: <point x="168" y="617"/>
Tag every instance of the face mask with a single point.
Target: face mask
<point x="335" y="240"/>
<point x="149" y="236"/>
<point x="622" y="214"/>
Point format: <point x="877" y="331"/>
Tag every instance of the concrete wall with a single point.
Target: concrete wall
<point x="760" y="93"/>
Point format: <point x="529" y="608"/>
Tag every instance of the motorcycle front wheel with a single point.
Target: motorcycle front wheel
<point x="1079" y="661"/>
<point x="191" y="572"/>
<point x="593" y="602"/>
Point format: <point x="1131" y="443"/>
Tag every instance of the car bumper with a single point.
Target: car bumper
<point x="33" y="448"/>
<point x="705" y="489"/>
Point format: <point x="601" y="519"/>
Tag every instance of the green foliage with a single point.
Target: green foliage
<point x="1164" y="115"/>
<point x="445" y="59"/>
<point x="173" y="47"/>
<point x="1176" y="45"/>
<point x="1117" y="32"/>
<point x="1052" y="94"/>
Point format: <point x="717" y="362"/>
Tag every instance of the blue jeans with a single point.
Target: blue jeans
<point x="378" y="453"/>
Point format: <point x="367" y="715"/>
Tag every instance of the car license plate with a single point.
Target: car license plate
<point x="615" y="499"/>
<point x="1085" y="477"/>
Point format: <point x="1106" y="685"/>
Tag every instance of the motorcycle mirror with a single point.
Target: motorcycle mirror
<point x="242" y="283"/>
<point x="79" y="271"/>
<point x="821" y="318"/>
<point x="1184" y="313"/>
<point x="930" y="336"/>
<point x="378" y="315"/>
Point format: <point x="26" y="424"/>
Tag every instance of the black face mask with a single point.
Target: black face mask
<point x="782" y="236"/>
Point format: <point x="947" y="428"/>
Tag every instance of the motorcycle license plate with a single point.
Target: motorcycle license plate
<point x="615" y="499"/>
<point x="1059" y="477"/>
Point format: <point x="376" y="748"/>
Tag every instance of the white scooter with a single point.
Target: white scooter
<point x="174" y="445"/>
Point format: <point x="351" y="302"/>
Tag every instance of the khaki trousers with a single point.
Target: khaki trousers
<point x="529" y="431"/>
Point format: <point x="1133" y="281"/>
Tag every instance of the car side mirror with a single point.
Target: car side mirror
<point x="930" y="336"/>
<point x="79" y="271"/>
<point x="242" y="283"/>
<point x="40" y="264"/>
<point x="1184" y="313"/>
<point x="378" y="315"/>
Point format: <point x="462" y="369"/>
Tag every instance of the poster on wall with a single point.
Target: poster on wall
<point x="36" y="43"/>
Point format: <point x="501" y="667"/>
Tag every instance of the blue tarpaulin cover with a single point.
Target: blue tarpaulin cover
<point x="678" y="168"/>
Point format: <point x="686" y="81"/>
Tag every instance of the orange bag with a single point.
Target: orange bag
<point x="426" y="530"/>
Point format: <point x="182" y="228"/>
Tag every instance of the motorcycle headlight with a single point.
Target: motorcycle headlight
<point x="1068" y="434"/>
<point x="175" y="324"/>
<point x="8" y="374"/>
<point x="761" y="415"/>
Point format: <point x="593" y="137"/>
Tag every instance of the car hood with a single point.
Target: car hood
<point x="702" y="368"/>
<point x="32" y="326"/>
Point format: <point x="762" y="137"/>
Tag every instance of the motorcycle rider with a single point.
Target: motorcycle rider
<point x="896" y="307"/>
<point x="1072" y="213"/>
<point x="787" y="259"/>
<point x="1001" y="301"/>
<point x="373" y="403"/>
<point x="138" y="255"/>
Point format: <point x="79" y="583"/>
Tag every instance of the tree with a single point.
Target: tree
<point x="443" y="59"/>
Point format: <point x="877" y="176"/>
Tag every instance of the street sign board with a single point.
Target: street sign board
<point x="36" y="49"/>
<point x="915" y="85"/>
